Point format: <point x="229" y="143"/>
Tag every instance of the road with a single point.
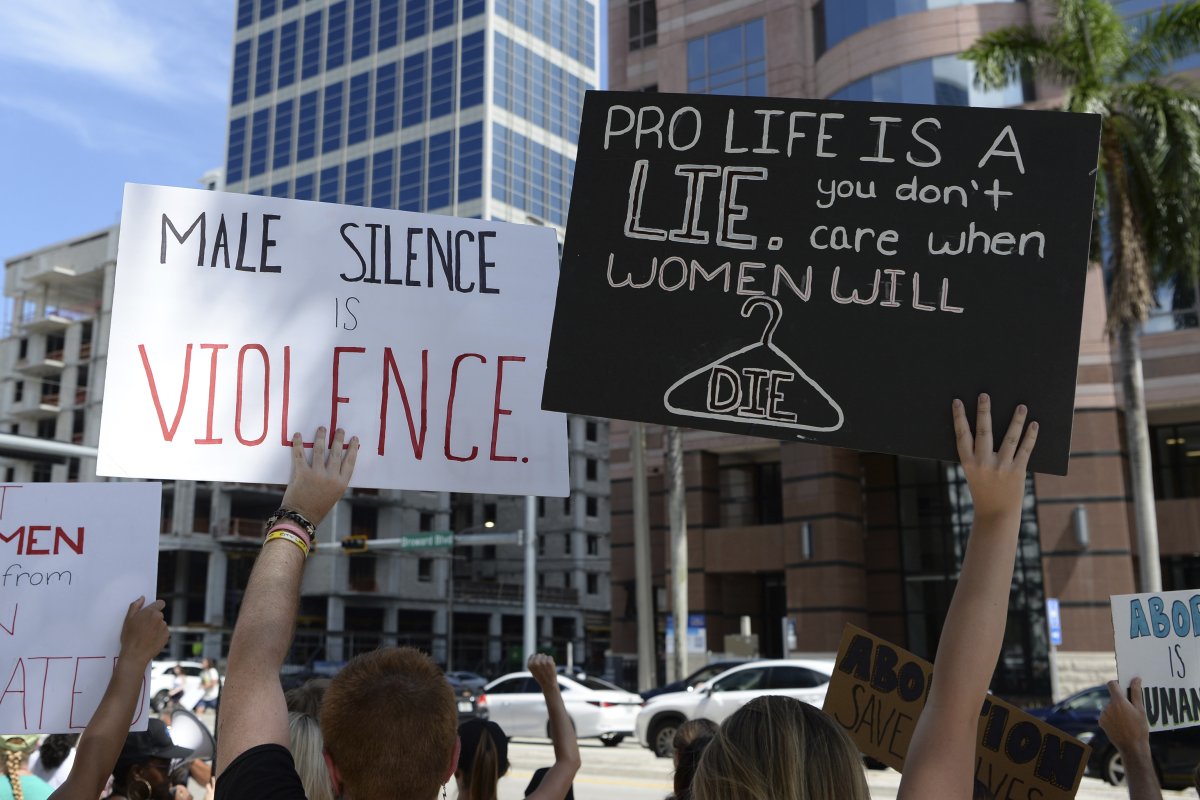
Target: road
<point x="632" y="773"/>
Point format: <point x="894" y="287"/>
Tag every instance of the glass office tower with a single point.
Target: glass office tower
<point x="464" y="107"/>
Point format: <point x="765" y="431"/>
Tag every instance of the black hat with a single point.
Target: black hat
<point x="470" y="732"/>
<point x="154" y="742"/>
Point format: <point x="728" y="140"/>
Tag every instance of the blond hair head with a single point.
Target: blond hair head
<point x="307" y="751"/>
<point x="780" y="748"/>
<point x="15" y="751"/>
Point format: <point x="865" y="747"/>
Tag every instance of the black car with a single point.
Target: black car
<point x="466" y="700"/>
<point x="1175" y="754"/>
<point x="699" y="676"/>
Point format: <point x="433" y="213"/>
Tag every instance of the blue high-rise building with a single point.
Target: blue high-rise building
<point x="464" y="107"/>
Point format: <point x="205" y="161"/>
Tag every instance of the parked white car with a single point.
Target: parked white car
<point x="162" y="681"/>
<point x="717" y="699"/>
<point x="598" y="709"/>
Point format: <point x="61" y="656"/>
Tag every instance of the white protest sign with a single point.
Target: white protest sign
<point x="240" y="320"/>
<point x="73" y="556"/>
<point x="1156" y="638"/>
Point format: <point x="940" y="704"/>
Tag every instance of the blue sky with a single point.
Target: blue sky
<point x="94" y="93"/>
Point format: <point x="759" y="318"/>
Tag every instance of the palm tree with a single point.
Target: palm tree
<point x="1148" y="201"/>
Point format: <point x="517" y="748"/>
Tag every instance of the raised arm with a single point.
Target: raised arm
<point x="566" y="749"/>
<point x="1128" y="729"/>
<point x="941" y="756"/>
<point x="143" y="635"/>
<point x="253" y="711"/>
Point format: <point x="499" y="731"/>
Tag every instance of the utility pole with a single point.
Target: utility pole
<point x="677" y="507"/>
<point x="641" y="559"/>
<point x="530" y="543"/>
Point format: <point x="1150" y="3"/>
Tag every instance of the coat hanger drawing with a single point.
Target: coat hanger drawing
<point x="757" y="385"/>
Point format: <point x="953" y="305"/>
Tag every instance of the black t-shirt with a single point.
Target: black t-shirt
<point x="265" y="772"/>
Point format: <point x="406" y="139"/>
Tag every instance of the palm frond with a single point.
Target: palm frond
<point x="1171" y="33"/>
<point x="1001" y="56"/>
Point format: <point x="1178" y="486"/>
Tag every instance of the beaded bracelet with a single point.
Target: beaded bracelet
<point x="288" y="525"/>
<point x="294" y="516"/>
<point x="291" y="537"/>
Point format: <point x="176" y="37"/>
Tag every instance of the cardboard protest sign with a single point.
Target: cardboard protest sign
<point x="826" y="271"/>
<point x="73" y="556"/>
<point x="1156" y="640"/>
<point x="240" y="320"/>
<point x="878" y="691"/>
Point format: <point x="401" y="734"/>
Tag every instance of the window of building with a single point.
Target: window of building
<point x="593" y="545"/>
<point x="413" y="112"/>
<point x="441" y="170"/>
<point x="22" y="350"/>
<point x="425" y="569"/>
<point x="592" y="506"/>
<point x="260" y="140"/>
<point x="78" y="419"/>
<point x="357" y="118"/>
<point x="567" y="506"/>
<point x="732" y="61"/>
<point x="335" y="36"/>
<point x="72" y="469"/>
<point x="235" y="161"/>
<point x="591" y="431"/>
<point x="541" y="507"/>
<point x="281" y="157"/>
<point x="288" y="36"/>
<point x="385" y="99"/>
<point x="592" y="469"/>
<point x="443" y="13"/>
<point x="643" y="24"/>
<point x="18" y="391"/>
<point x="441" y="80"/>
<point x="304" y="187"/>
<point x="310" y="64"/>
<point x="360" y="43"/>
<point x="593" y="583"/>
<point x="566" y="544"/>
<point x="412" y="160"/>
<point x="330" y="177"/>
<point x="306" y="128"/>
<point x="470" y="162"/>
<point x="943" y="81"/>
<point x="820" y="40"/>
<point x="240" y="89"/>
<point x="10" y="474"/>
<point x="383" y="166"/>
<point x="1176" y="460"/>
<point x="245" y="13"/>
<point x="489" y="513"/>
<point x="264" y="63"/>
<point x="356" y="182"/>
<point x="470" y="88"/>
<point x="489" y="552"/>
<point x="47" y="428"/>
<point x="425" y="521"/>
<point x="750" y="494"/>
<point x="42" y="472"/>
<point x="281" y="189"/>
<point x="266" y="8"/>
<point x="566" y="580"/>
<point x="844" y="18"/>
<point x="414" y="19"/>
<point x="331" y="128"/>
<point x="389" y="24"/>
<point x="541" y="545"/>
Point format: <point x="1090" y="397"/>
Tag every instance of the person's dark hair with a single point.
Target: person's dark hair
<point x="306" y="698"/>
<point x="691" y="730"/>
<point x="55" y="749"/>
<point x="689" y="759"/>
<point x="390" y="725"/>
<point x="484" y="758"/>
<point x="982" y="792"/>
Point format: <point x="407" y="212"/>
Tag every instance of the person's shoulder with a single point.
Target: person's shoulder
<point x="34" y="788"/>
<point x="266" y="771"/>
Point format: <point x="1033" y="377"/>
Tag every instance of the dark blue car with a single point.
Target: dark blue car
<point x="1176" y="754"/>
<point x="1078" y="714"/>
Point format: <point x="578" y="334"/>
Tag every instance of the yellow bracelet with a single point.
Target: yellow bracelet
<point x="279" y="533"/>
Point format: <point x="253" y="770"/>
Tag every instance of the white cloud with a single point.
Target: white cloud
<point x="92" y="132"/>
<point x="165" y="50"/>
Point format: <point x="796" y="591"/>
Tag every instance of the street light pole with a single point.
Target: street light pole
<point x="450" y="611"/>
<point x="530" y="576"/>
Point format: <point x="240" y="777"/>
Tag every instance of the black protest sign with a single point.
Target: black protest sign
<point x="826" y="271"/>
<point x="878" y="691"/>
